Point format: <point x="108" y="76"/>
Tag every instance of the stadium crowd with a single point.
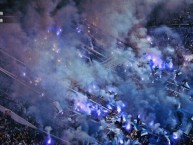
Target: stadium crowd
<point x="13" y="133"/>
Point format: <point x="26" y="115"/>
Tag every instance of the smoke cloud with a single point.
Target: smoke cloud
<point x="45" y="51"/>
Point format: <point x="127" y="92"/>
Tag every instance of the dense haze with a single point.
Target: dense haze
<point x="47" y="41"/>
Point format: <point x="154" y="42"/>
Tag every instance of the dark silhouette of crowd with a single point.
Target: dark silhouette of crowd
<point x="13" y="133"/>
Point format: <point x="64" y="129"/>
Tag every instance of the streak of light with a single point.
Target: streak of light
<point x="93" y="53"/>
<point x="103" y="32"/>
<point x="100" y="105"/>
<point x="4" y="52"/>
<point x="89" y="48"/>
<point x="19" y="81"/>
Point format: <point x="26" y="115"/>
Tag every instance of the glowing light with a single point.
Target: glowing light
<point x="151" y="123"/>
<point x="83" y="107"/>
<point x="170" y="65"/>
<point x="155" y="60"/>
<point x="78" y="29"/>
<point x="99" y="112"/>
<point x="109" y="107"/>
<point x="149" y="39"/>
<point x="89" y="90"/>
<point x="128" y="126"/>
<point x="175" y="135"/>
<point x="55" y="48"/>
<point x="55" y="29"/>
<point x="59" y="60"/>
<point x="78" y="104"/>
<point x="124" y="119"/>
<point x="121" y="141"/>
<point x="80" y="54"/>
<point x="118" y="109"/>
<point x="49" y="141"/>
<point x="59" y="31"/>
<point x="24" y="74"/>
<point x="149" y="57"/>
<point x="37" y="80"/>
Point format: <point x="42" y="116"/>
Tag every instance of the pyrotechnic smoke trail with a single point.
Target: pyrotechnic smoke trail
<point x="4" y="52"/>
<point x="112" y="63"/>
<point x="76" y="113"/>
<point x="85" y="48"/>
<point x="104" y="32"/>
<point x="89" y="48"/>
<point x="39" y="93"/>
<point x="19" y="81"/>
<point x="14" y="77"/>
<point x="109" y="64"/>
